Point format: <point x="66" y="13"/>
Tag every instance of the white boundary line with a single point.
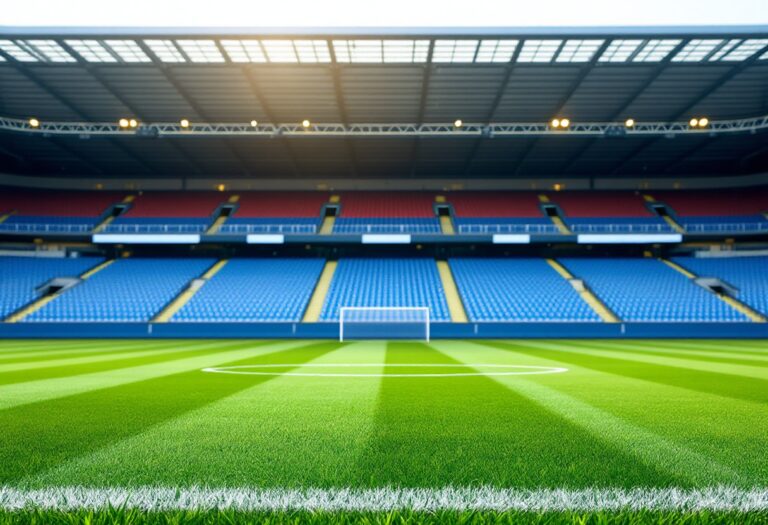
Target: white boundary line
<point x="720" y="498"/>
<point x="247" y="370"/>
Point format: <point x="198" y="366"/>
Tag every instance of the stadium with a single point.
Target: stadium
<point x="470" y="275"/>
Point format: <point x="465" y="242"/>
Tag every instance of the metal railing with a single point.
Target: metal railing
<point x="155" y="228"/>
<point x="486" y="229"/>
<point x="621" y="228"/>
<point x="269" y="228"/>
<point x="37" y="227"/>
<point x="726" y="227"/>
<point x="387" y="228"/>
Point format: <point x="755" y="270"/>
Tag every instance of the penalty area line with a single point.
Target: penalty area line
<point x="718" y="498"/>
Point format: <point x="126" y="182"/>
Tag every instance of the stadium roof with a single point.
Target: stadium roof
<point x="340" y="78"/>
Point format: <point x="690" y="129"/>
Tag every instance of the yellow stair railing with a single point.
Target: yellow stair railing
<point x="183" y="298"/>
<point x="315" y="306"/>
<point x="585" y="293"/>
<point x="557" y="221"/>
<point x="452" y="296"/>
<point x="222" y="219"/>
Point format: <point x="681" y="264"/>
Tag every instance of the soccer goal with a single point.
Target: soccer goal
<point x="384" y="322"/>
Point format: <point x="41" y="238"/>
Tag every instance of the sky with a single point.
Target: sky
<point x="389" y="13"/>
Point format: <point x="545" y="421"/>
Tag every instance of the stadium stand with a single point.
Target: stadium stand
<point x="130" y="290"/>
<point x="517" y="289"/>
<point x="499" y="212"/>
<point x="54" y="211"/>
<point x="248" y="290"/>
<point x="747" y="274"/>
<point x="386" y="282"/>
<point x="276" y="212"/>
<point x="607" y="212"/>
<point x="169" y="212"/>
<point x="718" y="211"/>
<point x="20" y="277"/>
<point x="387" y="212"/>
<point x="647" y="290"/>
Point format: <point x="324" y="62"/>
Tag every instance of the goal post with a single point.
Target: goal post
<point x="384" y="322"/>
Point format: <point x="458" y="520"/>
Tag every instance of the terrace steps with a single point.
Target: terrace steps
<point x="557" y="221"/>
<point x="452" y="297"/>
<point x="669" y="220"/>
<point x="214" y="228"/>
<point x="42" y="301"/>
<point x="184" y="297"/>
<point x="108" y="220"/>
<point x="315" y="306"/>
<point x="585" y="293"/>
<point x="328" y="221"/>
<point x="734" y="303"/>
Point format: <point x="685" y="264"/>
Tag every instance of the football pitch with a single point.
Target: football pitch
<point x="470" y="431"/>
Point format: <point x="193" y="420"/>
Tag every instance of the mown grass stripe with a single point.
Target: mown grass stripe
<point x="718" y="498"/>
<point x="472" y="430"/>
<point x="734" y="354"/>
<point x="693" y="355"/>
<point x="646" y="445"/>
<point x="277" y="432"/>
<point x="736" y="387"/>
<point x="128" y="352"/>
<point x="45" y="389"/>
<point x="727" y="348"/>
<point x="40" y="436"/>
<point x="125" y="361"/>
<point x="52" y="345"/>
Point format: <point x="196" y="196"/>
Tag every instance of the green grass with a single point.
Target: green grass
<point x="626" y="414"/>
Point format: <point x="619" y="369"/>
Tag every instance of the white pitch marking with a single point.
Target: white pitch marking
<point x="718" y="498"/>
<point x="249" y="370"/>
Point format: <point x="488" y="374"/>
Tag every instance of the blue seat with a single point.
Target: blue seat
<point x="21" y="276"/>
<point x="517" y="289"/>
<point x="748" y="274"/>
<point x="386" y="282"/>
<point x="246" y="290"/>
<point x="129" y="290"/>
<point x="646" y="290"/>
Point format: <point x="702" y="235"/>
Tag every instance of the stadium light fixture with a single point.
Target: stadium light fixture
<point x="694" y="122"/>
<point x="254" y="123"/>
<point x="458" y="123"/>
<point x="630" y="123"/>
<point x="184" y="123"/>
<point x="555" y="123"/>
<point x="221" y="187"/>
<point x="34" y="123"/>
<point x="703" y="122"/>
<point x="123" y="123"/>
<point x="306" y="123"/>
<point x="133" y="123"/>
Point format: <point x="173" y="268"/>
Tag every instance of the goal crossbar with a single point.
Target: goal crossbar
<point x="345" y="311"/>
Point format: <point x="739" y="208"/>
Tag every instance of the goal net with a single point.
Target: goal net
<point x="384" y="322"/>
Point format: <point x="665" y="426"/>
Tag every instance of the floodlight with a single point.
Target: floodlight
<point x="703" y="122"/>
<point x="694" y="122"/>
<point x="555" y="123"/>
<point x="34" y="123"/>
<point x="254" y="123"/>
<point x="123" y="122"/>
<point x="458" y="123"/>
<point x="564" y="122"/>
<point x="630" y="123"/>
<point x="184" y="123"/>
<point x="306" y="123"/>
<point x="133" y="123"/>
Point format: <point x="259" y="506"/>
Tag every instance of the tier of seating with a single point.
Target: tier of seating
<point x="644" y="290"/>
<point x="387" y="212"/>
<point x="474" y="212"/>
<point x="742" y="210"/>
<point x="248" y="290"/>
<point x="276" y="212"/>
<point x="517" y="289"/>
<point x="169" y="212"/>
<point x="386" y="282"/>
<point x="485" y="212"/>
<point x="20" y="277"/>
<point x="749" y="275"/>
<point x="607" y="212"/>
<point x="54" y="211"/>
<point x="129" y="290"/>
